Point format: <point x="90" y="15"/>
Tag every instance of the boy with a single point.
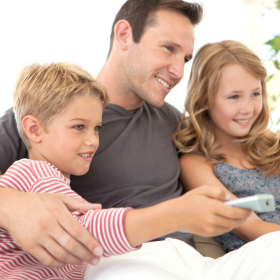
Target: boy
<point x="58" y="108"/>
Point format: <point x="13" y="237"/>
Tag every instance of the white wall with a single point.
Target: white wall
<point x="78" y="31"/>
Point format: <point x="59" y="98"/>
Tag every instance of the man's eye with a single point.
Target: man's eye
<point x="78" y="127"/>
<point x="169" y="48"/>
<point x="98" y="128"/>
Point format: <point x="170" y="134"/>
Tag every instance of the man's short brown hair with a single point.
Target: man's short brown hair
<point x="139" y="14"/>
<point x="43" y="91"/>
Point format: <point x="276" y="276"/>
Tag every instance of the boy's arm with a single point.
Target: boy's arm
<point x="199" y="211"/>
<point x="196" y="171"/>
<point x="42" y="225"/>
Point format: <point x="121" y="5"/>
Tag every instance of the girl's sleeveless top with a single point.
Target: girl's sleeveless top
<point x="241" y="183"/>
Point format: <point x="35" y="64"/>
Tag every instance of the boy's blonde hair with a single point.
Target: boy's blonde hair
<point x="194" y="133"/>
<point x="43" y="91"/>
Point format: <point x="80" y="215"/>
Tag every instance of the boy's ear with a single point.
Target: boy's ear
<point x="123" y="34"/>
<point x="32" y="128"/>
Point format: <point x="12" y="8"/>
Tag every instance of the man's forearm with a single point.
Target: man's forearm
<point x="5" y="195"/>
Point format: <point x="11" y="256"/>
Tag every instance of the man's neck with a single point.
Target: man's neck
<point x="118" y="94"/>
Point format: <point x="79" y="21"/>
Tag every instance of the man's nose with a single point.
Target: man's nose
<point x="176" y="69"/>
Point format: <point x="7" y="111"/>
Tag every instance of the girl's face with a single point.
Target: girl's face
<point x="236" y="104"/>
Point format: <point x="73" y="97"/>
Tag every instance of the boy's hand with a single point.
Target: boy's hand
<point x="205" y="214"/>
<point x="42" y="225"/>
<point x="200" y="211"/>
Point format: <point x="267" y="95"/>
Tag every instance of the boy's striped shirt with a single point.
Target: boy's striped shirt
<point x="106" y="225"/>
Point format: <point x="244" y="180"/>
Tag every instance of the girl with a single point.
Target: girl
<point x="225" y="140"/>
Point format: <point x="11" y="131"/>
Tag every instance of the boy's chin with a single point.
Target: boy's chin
<point x="80" y="173"/>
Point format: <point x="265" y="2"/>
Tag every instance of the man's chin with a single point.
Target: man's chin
<point x="155" y="103"/>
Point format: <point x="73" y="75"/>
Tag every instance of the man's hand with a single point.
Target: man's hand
<point x="42" y="225"/>
<point x="204" y="213"/>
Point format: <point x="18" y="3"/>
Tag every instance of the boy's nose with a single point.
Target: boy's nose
<point x="92" y="140"/>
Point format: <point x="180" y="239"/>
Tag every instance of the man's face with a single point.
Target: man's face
<point x="156" y="64"/>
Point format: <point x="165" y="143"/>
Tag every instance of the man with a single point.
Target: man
<point x="136" y="164"/>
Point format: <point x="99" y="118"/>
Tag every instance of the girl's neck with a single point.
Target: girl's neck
<point x="234" y="155"/>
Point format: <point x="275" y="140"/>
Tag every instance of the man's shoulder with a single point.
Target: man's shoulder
<point x="12" y="147"/>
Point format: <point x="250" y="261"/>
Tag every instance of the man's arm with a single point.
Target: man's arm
<point x="42" y="225"/>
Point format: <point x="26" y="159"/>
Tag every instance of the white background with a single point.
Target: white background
<point x="78" y="31"/>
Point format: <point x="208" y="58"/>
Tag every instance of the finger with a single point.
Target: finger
<point x="44" y="257"/>
<point x="76" y="251"/>
<point x="73" y="203"/>
<point x="213" y="192"/>
<point x="231" y="212"/>
<point x="218" y="230"/>
<point x="59" y="252"/>
<point x="219" y="225"/>
<point x="78" y="240"/>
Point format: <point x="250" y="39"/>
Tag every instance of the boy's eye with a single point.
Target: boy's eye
<point x="78" y="127"/>
<point x="98" y="128"/>
<point x="233" y="97"/>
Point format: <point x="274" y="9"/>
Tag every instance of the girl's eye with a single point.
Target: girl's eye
<point x="78" y="127"/>
<point x="233" y="97"/>
<point x="98" y="128"/>
<point x="256" y="94"/>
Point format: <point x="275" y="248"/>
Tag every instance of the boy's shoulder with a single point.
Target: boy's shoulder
<point x="34" y="169"/>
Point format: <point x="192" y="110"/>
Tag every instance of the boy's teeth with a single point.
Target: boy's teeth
<point x="84" y="155"/>
<point x="163" y="82"/>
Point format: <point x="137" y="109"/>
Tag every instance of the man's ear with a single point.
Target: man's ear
<point x="33" y="129"/>
<point x="123" y="34"/>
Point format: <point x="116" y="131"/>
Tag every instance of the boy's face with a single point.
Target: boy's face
<point x="72" y="138"/>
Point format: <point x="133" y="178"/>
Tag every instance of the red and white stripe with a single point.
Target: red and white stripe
<point x="106" y="225"/>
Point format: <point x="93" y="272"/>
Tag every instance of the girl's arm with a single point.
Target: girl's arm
<point x="196" y="171"/>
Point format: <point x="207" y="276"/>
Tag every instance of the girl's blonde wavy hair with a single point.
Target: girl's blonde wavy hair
<point x="194" y="132"/>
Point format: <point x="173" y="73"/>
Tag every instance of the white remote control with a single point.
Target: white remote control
<point x="258" y="202"/>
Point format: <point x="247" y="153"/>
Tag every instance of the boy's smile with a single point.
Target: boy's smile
<point x="72" y="138"/>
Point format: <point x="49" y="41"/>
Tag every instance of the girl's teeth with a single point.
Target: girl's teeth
<point x="242" y="121"/>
